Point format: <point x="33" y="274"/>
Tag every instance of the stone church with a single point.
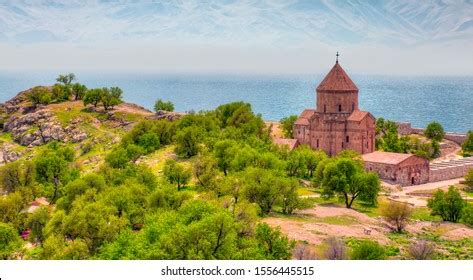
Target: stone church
<point x="336" y="123"/>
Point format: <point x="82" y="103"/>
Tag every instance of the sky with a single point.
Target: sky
<point x="275" y="37"/>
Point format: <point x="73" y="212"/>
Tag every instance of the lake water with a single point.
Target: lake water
<point x="418" y="100"/>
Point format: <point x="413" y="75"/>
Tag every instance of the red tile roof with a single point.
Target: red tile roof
<point x="337" y="80"/>
<point x="386" y="157"/>
<point x="291" y="143"/>
<point x="357" y="115"/>
<point x="305" y="116"/>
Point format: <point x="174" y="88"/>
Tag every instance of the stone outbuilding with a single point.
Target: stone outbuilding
<point x="336" y="123"/>
<point x="402" y="169"/>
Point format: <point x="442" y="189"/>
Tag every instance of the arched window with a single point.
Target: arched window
<point x="339" y="107"/>
<point x="353" y="106"/>
<point x="325" y="108"/>
<point x="348" y="139"/>
<point x="317" y="143"/>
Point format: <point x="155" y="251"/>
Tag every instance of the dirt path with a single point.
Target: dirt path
<point x="406" y="194"/>
<point x="316" y="224"/>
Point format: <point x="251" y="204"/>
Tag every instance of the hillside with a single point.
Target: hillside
<point x="112" y="180"/>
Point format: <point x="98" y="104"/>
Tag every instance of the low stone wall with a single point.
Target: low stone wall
<point x="405" y="128"/>
<point x="441" y="173"/>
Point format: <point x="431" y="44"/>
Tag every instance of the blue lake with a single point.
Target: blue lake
<point x="418" y="100"/>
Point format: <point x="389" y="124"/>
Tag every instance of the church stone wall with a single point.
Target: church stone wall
<point x="412" y="171"/>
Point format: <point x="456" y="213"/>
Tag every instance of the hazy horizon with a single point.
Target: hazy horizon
<point x="238" y="37"/>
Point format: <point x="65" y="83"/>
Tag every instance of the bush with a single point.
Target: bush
<point x="10" y="241"/>
<point x="161" y="105"/>
<point x="287" y="125"/>
<point x="434" y="131"/>
<point x="40" y="95"/>
<point x="187" y="141"/>
<point x="335" y="249"/>
<point x="467" y="216"/>
<point x="175" y="173"/>
<point x="272" y="243"/>
<point x="397" y="215"/>
<point x="421" y="250"/>
<point x="368" y="250"/>
<point x="469" y="180"/>
<point x="448" y="205"/>
<point x="467" y="146"/>
<point x="303" y="251"/>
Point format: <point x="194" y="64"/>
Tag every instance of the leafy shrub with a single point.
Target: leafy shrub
<point x="368" y="250"/>
<point x="448" y="205"/>
<point x="161" y="105"/>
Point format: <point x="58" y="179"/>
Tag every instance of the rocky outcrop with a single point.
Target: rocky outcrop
<point x="41" y="127"/>
<point x="8" y="154"/>
<point x="165" y="115"/>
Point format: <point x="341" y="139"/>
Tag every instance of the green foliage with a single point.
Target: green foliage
<point x="161" y="105"/>
<point x="467" y="146"/>
<point x="40" y="95"/>
<point x="467" y="215"/>
<point x="368" y="250"/>
<point x="175" y="173"/>
<point x="303" y="161"/>
<point x="79" y="91"/>
<point x="287" y="124"/>
<point x="16" y="175"/>
<point x="449" y="205"/>
<point x="53" y="168"/>
<point x="61" y="92"/>
<point x="36" y="222"/>
<point x="434" y="131"/>
<point x="205" y="171"/>
<point x="273" y="244"/>
<point x="111" y="97"/>
<point x="93" y="96"/>
<point x="469" y="180"/>
<point x="397" y="214"/>
<point x="187" y="141"/>
<point x="10" y="242"/>
<point x="239" y="115"/>
<point x="67" y="79"/>
<point x="345" y="178"/>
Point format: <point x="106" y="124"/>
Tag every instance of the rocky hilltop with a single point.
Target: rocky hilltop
<point x="26" y="126"/>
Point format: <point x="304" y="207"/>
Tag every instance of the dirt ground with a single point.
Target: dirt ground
<point x="314" y="225"/>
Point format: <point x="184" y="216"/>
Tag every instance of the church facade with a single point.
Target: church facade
<point x="336" y="123"/>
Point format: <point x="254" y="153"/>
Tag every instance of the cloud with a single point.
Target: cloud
<point x="255" y="31"/>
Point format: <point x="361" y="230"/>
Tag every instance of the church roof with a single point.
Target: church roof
<point x="357" y="115"/>
<point x="305" y="116"/>
<point x="290" y="143"/>
<point x="386" y="157"/>
<point x="337" y="80"/>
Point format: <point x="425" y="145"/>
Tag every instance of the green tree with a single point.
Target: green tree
<point x="225" y="151"/>
<point x="79" y="91"/>
<point x="53" y="168"/>
<point x="175" y="173"/>
<point x="467" y="146"/>
<point x="161" y="105"/>
<point x="368" y="250"/>
<point x="448" y="205"/>
<point x="397" y="214"/>
<point x="118" y="158"/>
<point x="187" y="141"/>
<point x="10" y="242"/>
<point x="61" y="92"/>
<point x="16" y="175"/>
<point x="66" y="79"/>
<point x="111" y="97"/>
<point x="469" y="180"/>
<point x="287" y="124"/>
<point x="467" y="215"/>
<point x="345" y="178"/>
<point x="36" y="222"/>
<point x="205" y="171"/>
<point x="93" y="96"/>
<point x="40" y="95"/>
<point x="434" y="131"/>
<point x="272" y="244"/>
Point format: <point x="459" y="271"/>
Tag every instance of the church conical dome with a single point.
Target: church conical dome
<point x="337" y="80"/>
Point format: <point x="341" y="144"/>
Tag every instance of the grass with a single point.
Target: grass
<point x="423" y="214"/>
